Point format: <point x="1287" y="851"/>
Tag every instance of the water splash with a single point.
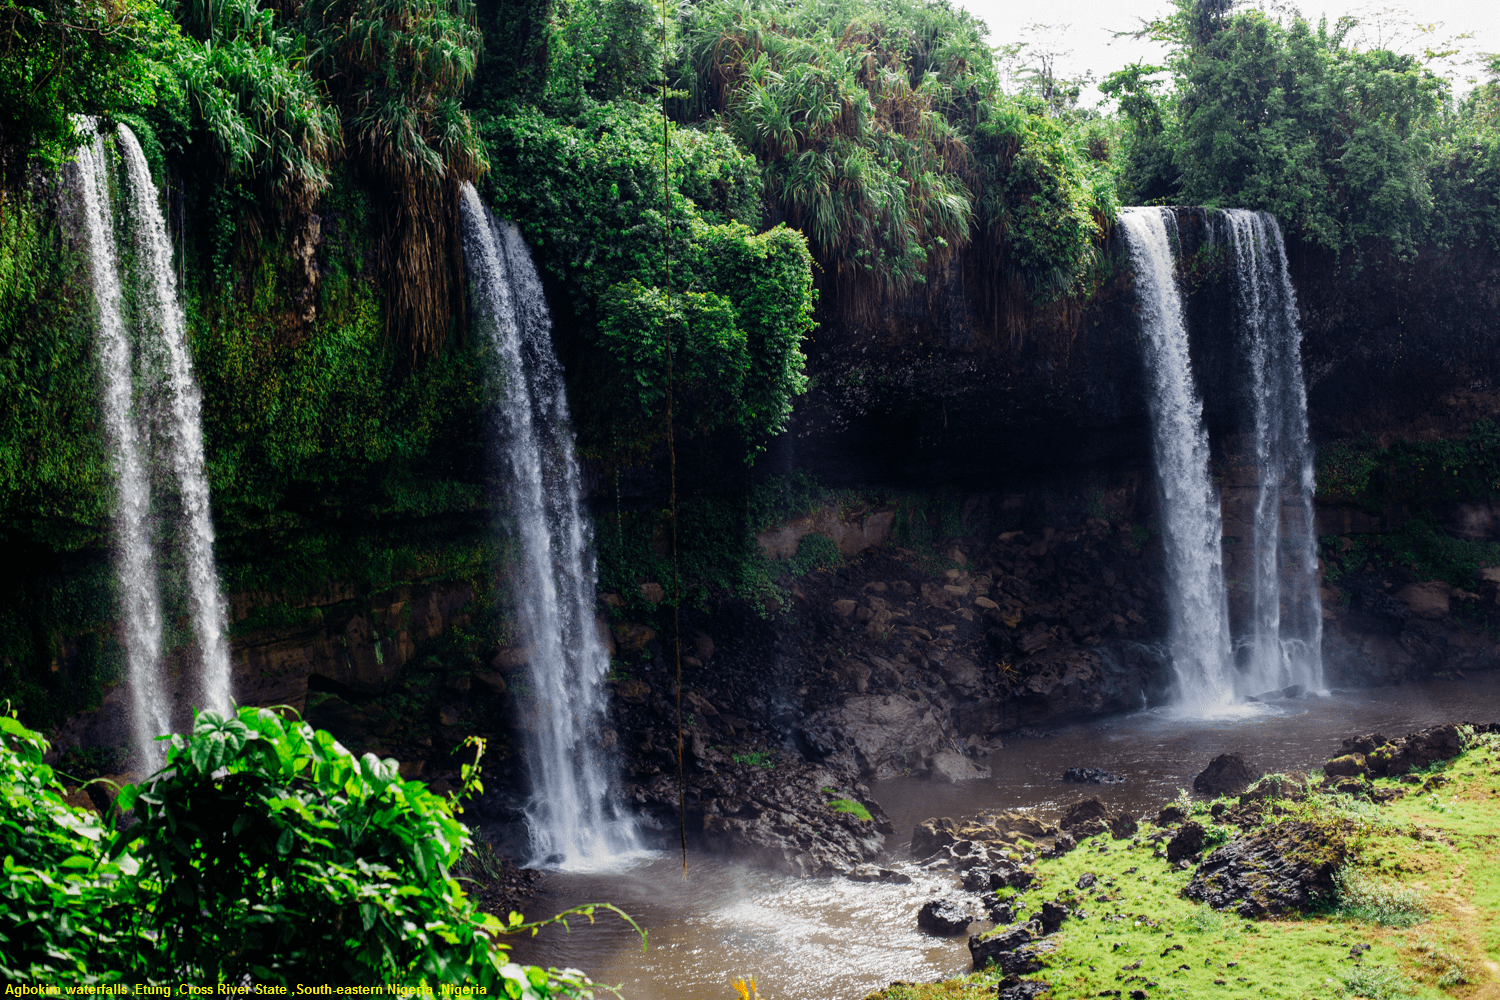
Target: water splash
<point x="1283" y="646"/>
<point x="135" y="563"/>
<point x="183" y="426"/>
<point x="574" y="818"/>
<point x="1192" y="534"/>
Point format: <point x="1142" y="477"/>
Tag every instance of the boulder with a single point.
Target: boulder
<point x="1415" y="751"/>
<point x="1426" y="600"/>
<point x="1170" y="814"/>
<point x="1350" y="765"/>
<point x="951" y="767"/>
<point x="1276" y="786"/>
<point x="874" y="873"/>
<point x="1023" y="989"/>
<point x="1001" y="829"/>
<point x="987" y="948"/>
<point x="1226" y="774"/>
<point x="1053" y="914"/>
<point x="890" y="734"/>
<point x="1091" y="776"/>
<point x="1123" y="825"/>
<point x="1278" y="869"/>
<point x="632" y="638"/>
<point x="1085" y="819"/>
<point x="1001" y="911"/>
<point x="945" y="917"/>
<point x="1186" y="842"/>
<point x="1086" y="881"/>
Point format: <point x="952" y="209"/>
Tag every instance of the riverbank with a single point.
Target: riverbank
<point x="1382" y="887"/>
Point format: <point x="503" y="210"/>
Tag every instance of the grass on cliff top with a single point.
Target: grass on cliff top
<point x="1422" y="890"/>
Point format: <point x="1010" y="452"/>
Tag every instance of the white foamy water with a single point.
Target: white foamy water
<point x="1192" y="533"/>
<point x="134" y="557"/>
<point x="181" y="405"/>
<point x="574" y="817"/>
<point x="1283" y="645"/>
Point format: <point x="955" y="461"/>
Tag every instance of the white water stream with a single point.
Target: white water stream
<point x="1283" y="645"/>
<point x="1198" y="611"/>
<point x="135" y="561"/>
<point x="181" y="406"/>
<point x="150" y="403"/>
<point x="575" y="821"/>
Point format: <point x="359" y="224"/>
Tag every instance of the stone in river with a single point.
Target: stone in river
<point x="944" y="916"/>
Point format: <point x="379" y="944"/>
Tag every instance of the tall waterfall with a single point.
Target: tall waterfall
<point x="1198" y="613"/>
<point x="574" y="819"/>
<point x="135" y="562"/>
<point x="182" y="405"/>
<point x="162" y="413"/>
<point x="1283" y="644"/>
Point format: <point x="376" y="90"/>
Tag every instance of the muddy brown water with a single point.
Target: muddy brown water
<point x="832" y="939"/>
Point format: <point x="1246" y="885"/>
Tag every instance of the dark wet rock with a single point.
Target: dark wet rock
<point x="1085" y="819"/>
<point x="1002" y="828"/>
<point x="986" y="948"/>
<point x="1276" y="786"/>
<point x="1053" y="914"/>
<point x="1022" y="989"/>
<point x="1061" y="844"/>
<point x="1187" y="842"/>
<point x="874" y="873"/>
<point x="1009" y="875"/>
<point x="1170" y="815"/>
<point x="977" y="880"/>
<point x="944" y="916"/>
<point x="1414" y="751"/>
<point x="1001" y="911"/>
<point x="1350" y="765"/>
<point x="1122" y="826"/>
<point x="1091" y="776"/>
<point x="1279" y="869"/>
<point x="780" y="818"/>
<point x="1086" y="881"/>
<point x="1226" y="774"/>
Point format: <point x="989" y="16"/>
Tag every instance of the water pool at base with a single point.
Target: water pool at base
<point x="832" y="939"/>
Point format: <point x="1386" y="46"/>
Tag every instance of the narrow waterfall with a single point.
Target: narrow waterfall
<point x="574" y="818"/>
<point x="135" y="562"/>
<point x="181" y="403"/>
<point x="1283" y="644"/>
<point x="1198" y="614"/>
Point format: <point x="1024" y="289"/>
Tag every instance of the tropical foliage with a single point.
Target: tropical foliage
<point x="262" y="849"/>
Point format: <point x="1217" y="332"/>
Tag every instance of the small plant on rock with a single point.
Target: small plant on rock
<point x="856" y="809"/>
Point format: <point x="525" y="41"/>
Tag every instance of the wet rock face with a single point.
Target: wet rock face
<point x="1226" y="774"/>
<point x="1091" y="776"/>
<point x="1279" y="869"/>
<point x="1186" y="843"/>
<point x="1372" y="755"/>
<point x="945" y="917"/>
<point x="988" y="948"/>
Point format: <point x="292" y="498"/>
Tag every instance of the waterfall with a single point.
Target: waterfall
<point x="135" y="563"/>
<point x="182" y="405"/>
<point x="154" y="357"/>
<point x="573" y="816"/>
<point x="1283" y="644"/>
<point x="1198" y="614"/>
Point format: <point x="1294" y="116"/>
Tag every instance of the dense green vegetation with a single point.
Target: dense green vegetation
<point x="264" y="852"/>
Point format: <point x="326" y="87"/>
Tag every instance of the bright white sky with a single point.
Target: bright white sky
<point x="1081" y="31"/>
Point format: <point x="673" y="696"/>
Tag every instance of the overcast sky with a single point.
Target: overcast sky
<point x="1090" y="25"/>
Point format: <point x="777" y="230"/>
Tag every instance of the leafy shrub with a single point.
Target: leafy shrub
<point x="1361" y="897"/>
<point x="1378" y="982"/>
<point x="262" y="849"/>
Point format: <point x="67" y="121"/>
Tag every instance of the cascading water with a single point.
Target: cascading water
<point x="1198" y="613"/>
<point x="182" y="405"/>
<point x="574" y="819"/>
<point x="1283" y="646"/>
<point x="135" y="563"/>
